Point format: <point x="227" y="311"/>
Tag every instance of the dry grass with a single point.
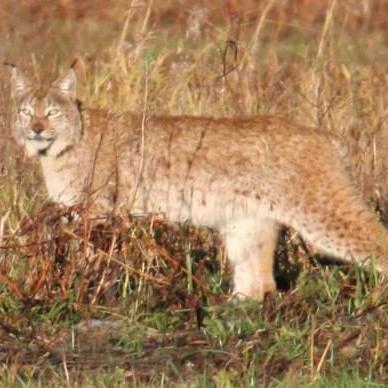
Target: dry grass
<point x="152" y="297"/>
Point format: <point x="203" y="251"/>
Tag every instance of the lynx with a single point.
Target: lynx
<point x="244" y="177"/>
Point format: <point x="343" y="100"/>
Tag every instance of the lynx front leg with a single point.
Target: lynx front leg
<point x="250" y="246"/>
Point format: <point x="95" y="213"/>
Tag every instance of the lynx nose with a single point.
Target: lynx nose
<point x="38" y="127"/>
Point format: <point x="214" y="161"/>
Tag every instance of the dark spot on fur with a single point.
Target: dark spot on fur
<point x="245" y="192"/>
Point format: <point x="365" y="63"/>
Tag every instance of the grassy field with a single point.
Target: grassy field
<point x="136" y="302"/>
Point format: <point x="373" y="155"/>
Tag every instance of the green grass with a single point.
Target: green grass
<point x="156" y="309"/>
<point x="331" y="328"/>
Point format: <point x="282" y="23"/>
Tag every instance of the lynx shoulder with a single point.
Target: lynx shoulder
<point x="245" y="177"/>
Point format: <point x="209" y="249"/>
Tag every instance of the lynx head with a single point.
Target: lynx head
<point x="47" y="119"/>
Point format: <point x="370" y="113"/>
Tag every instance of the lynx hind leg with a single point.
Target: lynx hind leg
<point x="250" y="246"/>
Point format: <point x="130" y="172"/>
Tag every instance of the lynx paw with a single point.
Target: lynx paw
<point x="256" y="290"/>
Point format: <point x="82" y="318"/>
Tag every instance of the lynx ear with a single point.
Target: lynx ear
<point x="67" y="84"/>
<point x="20" y="84"/>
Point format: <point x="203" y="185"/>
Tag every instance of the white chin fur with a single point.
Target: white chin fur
<point x="34" y="147"/>
<point x="52" y="147"/>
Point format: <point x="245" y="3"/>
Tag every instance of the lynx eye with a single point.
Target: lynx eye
<point x="25" y="111"/>
<point x="52" y="112"/>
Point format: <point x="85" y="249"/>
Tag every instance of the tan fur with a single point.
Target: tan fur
<point x="244" y="177"/>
